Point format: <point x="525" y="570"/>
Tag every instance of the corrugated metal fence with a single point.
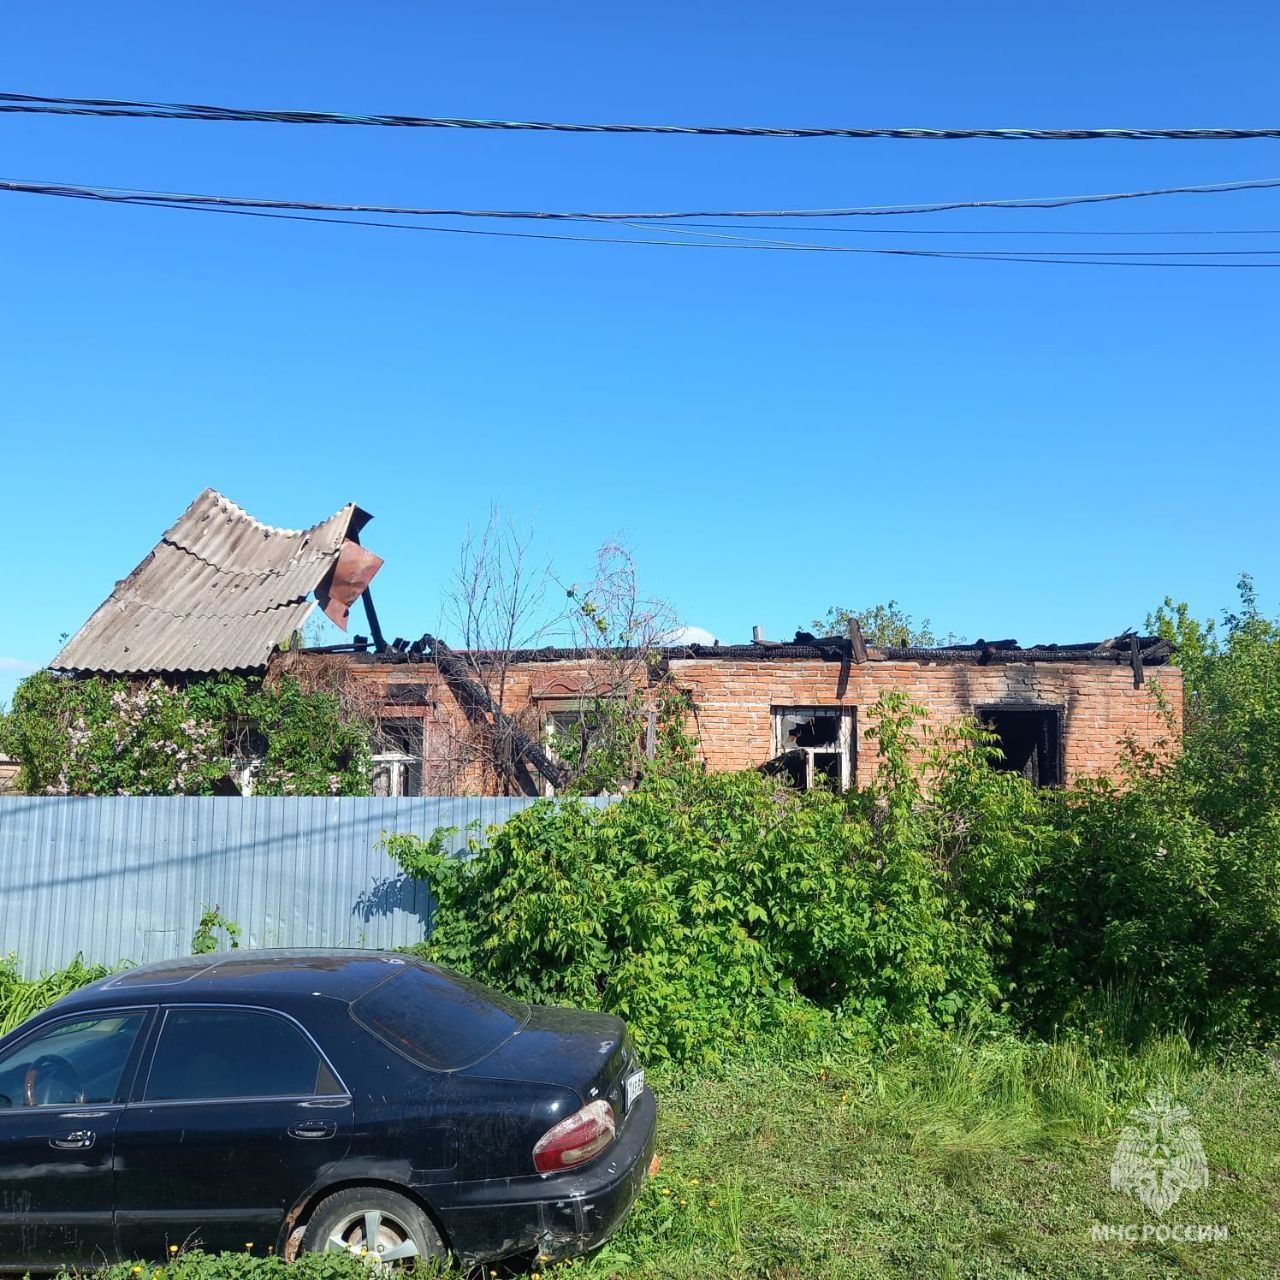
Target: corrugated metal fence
<point x="126" y="878"/>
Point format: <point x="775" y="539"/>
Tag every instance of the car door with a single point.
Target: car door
<point x="62" y="1088"/>
<point x="235" y="1116"/>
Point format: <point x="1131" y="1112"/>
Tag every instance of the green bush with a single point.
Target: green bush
<point x="1145" y="909"/>
<point x="1230" y="762"/>
<point x="709" y="909"/>
<point x="1157" y="906"/>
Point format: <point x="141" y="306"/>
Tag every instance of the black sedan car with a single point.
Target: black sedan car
<point x="313" y="1100"/>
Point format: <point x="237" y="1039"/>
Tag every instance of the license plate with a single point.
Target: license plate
<point x="635" y="1086"/>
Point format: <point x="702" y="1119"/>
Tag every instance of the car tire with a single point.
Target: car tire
<point x="402" y="1232"/>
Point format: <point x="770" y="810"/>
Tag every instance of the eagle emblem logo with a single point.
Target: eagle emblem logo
<point x="1160" y="1156"/>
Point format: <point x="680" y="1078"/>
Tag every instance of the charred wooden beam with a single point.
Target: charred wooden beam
<point x="1135" y="660"/>
<point x="455" y="672"/>
<point x="379" y="644"/>
<point x="857" y="645"/>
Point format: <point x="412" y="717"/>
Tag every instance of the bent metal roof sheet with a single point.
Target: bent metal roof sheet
<point x="218" y="592"/>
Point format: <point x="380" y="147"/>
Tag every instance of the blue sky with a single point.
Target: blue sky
<point x="1014" y="450"/>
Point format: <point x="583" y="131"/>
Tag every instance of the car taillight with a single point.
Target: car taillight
<point x="584" y="1134"/>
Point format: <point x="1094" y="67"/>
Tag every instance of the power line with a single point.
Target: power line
<point x="131" y="196"/>
<point x="1051" y="232"/>
<point x="133" y="109"/>
<point x="743" y="242"/>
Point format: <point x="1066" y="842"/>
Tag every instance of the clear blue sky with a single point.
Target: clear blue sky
<point x="1031" y="451"/>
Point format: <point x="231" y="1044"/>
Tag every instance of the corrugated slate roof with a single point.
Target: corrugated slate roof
<point x="218" y="593"/>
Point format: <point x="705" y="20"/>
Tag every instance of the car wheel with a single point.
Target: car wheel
<point x="373" y="1223"/>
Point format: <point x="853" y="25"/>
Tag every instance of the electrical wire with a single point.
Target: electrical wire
<point x="136" y="109"/>
<point x="1073" y="232"/>
<point x="132" y="196"/>
<point x="746" y="242"/>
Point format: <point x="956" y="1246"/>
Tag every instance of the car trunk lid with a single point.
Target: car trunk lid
<point x="590" y="1053"/>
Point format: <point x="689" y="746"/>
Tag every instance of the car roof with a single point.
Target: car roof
<point x="246" y="975"/>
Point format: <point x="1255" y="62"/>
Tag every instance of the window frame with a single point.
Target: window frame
<point x="550" y="706"/>
<point x="142" y="1080"/>
<point x="128" y="1075"/>
<point x="846" y="744"/>
<point x="398" y="764"/>
<point x="983" y="711"/>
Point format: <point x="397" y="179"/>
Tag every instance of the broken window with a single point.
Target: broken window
<point x="397" y="758"/>
<point x="1030" y="741"/>
<point x="814" y="746"/>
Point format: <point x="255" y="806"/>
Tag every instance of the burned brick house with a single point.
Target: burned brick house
<point x="222" y="591"/>
<point x="1061" y="712"/>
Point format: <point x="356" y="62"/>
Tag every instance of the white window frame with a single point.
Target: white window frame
<point x="398" y="763"/>
<point x="843" y="746"/>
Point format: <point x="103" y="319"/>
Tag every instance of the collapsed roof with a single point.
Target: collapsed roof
<point x="1151" y="651"/>
<point x="221" y="591"/>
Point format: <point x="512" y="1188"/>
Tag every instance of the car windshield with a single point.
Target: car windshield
<point x="441" y="1020"/>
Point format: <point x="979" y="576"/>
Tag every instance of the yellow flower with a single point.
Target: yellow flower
<point x="666" y="1191"/>
<point x="684" y="1202"/>
<point x="248" y="1244"/>
<point x="173" y="1248"/>
<point x="693" y="1182"/>
<point x="137" y="1271"/>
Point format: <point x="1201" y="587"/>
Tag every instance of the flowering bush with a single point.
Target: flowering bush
<point x="97" y="736"/>
<point x="111" y="737"/>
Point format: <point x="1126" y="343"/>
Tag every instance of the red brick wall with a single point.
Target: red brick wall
<point x="1099" y="705"/>
<point x="734" y="703"/>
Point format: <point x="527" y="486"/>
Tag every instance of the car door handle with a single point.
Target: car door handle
<point x="74" y="1140"/>
<point x="313" y="1129"/>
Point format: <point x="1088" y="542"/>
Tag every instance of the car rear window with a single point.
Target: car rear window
<point x="441" y="1020"/>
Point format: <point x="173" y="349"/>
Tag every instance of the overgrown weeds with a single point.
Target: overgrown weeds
<point x="22" y="998"/>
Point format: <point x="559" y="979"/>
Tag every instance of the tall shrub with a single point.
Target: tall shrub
<point x="707" y="909"/>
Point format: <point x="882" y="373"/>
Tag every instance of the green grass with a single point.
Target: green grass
<point x="951" y="1158"/>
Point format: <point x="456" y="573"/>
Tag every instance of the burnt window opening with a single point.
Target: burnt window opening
<point x="814" y="746"/>
<point x="397" y="758"/>
<point x="1030" y="742"/>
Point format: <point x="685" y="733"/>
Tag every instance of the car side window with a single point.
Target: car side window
<point x="69" y="1063"/>
<point x="204" y="1054"/>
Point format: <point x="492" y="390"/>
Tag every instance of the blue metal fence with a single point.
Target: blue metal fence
<point x="127" y="878"/>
